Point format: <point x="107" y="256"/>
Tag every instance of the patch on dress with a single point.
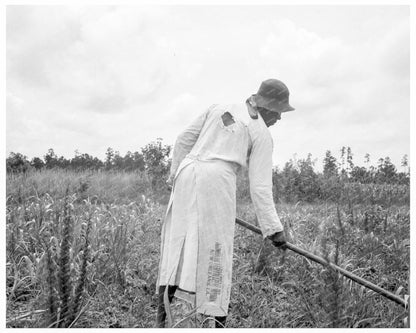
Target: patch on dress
<point x="227" y="119"/>
<point x="214" y="283"/>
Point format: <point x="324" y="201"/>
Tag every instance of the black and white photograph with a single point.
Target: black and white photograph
<point x="207" y="165"/>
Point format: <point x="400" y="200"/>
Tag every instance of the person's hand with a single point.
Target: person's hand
<point x="278" y="239"/>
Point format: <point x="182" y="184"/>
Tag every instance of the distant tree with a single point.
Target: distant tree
<point x="85" y="162"/>
<point x="386" y="171"/>
<point x="133" y="161"/>
<point x="109" y="156"/>
<point x="63" y="163"/>
<point x="37" y="163"/>
<point x="367" y="159"/>
<point x="118" y="161"/>
<point x="308" y="185"/>
<point x="342" y="164"/>
<point x="297" y="181"/>
<point x="138" y="161"/>
<point x="346" y="164"/>
<point x="360" y="175"/>
<point x="371" y="170"/>
<point x="330" y="165"/>
<point x="350" y="163"/>
<point x="156" y="160"/>
<point x="403" y="178"/>
<point x="96" y="163"/>
<point x="17" y="162"/>
<point x="76" y="162"/>
<point x="290" y="181"/>
<point x="405" y="163"/>
<point x="51" y="160"/>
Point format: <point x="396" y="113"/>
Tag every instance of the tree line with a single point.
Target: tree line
<point x="341" y="179"/>
<point x="154" y="159"/>
<point x="344" y="168"/>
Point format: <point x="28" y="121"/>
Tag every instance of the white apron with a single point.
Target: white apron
<point x="199" y="230"/>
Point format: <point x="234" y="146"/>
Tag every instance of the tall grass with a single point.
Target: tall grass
<point x="100" y="186"/>
<point x="83" y="251"/>
<point x="299" y="293"/>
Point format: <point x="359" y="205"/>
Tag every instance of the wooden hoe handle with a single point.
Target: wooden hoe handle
<point x="324" y="262"/>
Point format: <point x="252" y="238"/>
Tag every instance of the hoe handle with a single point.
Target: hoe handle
<point x="324" y="262"/>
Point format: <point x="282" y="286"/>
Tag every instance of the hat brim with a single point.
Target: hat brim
<point x="288" y="108"/>
<point x="272" y="104"/>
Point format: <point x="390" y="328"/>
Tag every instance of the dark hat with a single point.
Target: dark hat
<point x="273" y="95"/>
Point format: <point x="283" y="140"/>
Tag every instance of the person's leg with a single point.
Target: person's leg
<point x="220" y="322"/>
<point x="161" y="311"/>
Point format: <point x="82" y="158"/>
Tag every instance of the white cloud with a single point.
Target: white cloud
<point x="94" y="77"/>
<point x="110" y="59"/>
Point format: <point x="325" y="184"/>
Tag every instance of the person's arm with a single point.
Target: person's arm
<point x="260" y="177"/>
<point x="185" y="141"/>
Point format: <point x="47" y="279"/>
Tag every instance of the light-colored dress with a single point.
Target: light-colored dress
<point x="198" y="230"/>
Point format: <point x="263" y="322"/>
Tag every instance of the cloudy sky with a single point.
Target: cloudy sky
<point x="88" y="78"/>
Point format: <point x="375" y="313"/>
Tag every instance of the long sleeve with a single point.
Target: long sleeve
<point x="260" y="176"/>
<point x="186" y="140"/>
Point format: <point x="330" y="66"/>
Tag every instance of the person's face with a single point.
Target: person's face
<point x="269" y="117"/>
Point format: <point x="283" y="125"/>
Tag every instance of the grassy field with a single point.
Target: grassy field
<point x="83" y="251"/>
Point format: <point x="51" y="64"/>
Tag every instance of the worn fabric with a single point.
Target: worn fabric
<point x="198" y="230"/>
